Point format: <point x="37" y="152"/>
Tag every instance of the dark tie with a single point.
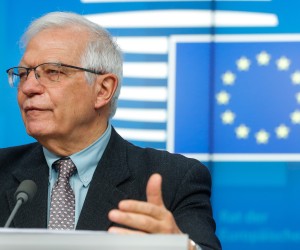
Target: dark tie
<point x="62" y="207"/>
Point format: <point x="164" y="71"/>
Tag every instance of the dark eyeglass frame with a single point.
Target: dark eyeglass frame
<point x="28" y="70"/>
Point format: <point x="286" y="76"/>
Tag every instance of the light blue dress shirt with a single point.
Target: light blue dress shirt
<point x="86" y="162"/>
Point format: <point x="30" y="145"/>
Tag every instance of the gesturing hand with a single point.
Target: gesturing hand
<point x="145" y="217"/>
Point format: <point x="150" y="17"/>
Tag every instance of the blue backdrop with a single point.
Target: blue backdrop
<point x="215" y="80"/>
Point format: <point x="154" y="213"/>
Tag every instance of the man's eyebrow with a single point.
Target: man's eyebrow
<point x="23" y="64"/>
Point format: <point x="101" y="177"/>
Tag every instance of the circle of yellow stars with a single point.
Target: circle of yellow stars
<point x="228" y="78"/>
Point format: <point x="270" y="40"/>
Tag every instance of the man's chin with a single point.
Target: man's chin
<point x="37" y="132"/>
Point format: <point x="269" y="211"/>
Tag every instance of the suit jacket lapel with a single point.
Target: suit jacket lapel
<point x="34" y="213"/>
<point x="111" y="183"/>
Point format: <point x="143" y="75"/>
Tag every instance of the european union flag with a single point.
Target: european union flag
<point x="257" y="97"/>
<point x="249" y="102"/>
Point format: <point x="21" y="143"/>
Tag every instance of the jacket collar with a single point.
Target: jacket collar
<point x="111" y="183"/>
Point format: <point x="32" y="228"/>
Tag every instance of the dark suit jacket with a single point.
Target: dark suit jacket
<point x="122" y="173"/>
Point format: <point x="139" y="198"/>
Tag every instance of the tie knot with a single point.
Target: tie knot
<point x="65" y="167"/>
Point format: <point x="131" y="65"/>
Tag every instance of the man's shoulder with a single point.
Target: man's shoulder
<point x="162" y="159"/>
<point x="17" y="152"/>
<point x="154" y="157"/>
<point x="163" y="155"/>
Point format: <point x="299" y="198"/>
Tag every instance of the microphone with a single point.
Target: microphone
<point x="25" y="192"/>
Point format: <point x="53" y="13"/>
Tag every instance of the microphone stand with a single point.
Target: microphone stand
<point x="13" y="213"/>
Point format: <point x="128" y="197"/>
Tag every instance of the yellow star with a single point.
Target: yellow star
<point x="295" y="117"/>
<point x="296" y="77"/>
<point x="262" y="137"/>
<point x="283" y="63"/>
<point x="263" y="58"/>
<point x="223" y="97"/>
<point x="242" y="131"/>
<point x="243" y="63"/>
<point x="282" y="131"/>
<point x="228" y="117"/>
<point x="228" y="78"/>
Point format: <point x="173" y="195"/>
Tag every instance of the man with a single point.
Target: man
<point x="68" y="81"/>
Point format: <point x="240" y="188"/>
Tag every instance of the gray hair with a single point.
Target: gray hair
<point x="101" y="53"/>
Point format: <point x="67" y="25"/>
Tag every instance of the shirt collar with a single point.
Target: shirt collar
<point x="85" y="160"/>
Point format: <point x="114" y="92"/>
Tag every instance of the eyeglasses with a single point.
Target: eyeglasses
<point x="45" y="73"/>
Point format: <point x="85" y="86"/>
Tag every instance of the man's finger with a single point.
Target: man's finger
<point x="136" y="221"/>
<point x="141" y="207"/>
<point x="153" y="191"/>
<point x="120" y="230"/>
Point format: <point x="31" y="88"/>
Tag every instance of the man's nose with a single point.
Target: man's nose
<point x="31" y="85"/>
<point x="32" y="72"/>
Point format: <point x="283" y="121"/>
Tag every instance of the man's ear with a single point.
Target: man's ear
<point x="105" y="87"/>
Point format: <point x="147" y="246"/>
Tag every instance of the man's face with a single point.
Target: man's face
<point x="66" y="109"/>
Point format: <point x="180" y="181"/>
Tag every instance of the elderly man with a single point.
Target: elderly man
<point x="88" y="177"/>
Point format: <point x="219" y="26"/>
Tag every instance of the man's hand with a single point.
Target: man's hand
<point x="145" y="217"/>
